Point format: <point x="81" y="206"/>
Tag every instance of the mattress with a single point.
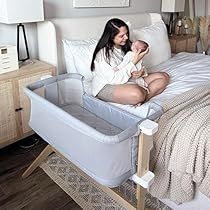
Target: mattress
<point x="186" y="70"/>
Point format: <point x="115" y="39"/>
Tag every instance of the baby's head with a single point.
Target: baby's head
<point x="139" y="44"/>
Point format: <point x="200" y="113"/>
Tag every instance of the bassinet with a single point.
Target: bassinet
<point x="72" y="122"/>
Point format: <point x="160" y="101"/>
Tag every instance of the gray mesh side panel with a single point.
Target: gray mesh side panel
<point x="92" y="120"/>
<point x="65" y="91"/>
<point x="110" y="113"/>
<point x="51" y="93"/>
<point x="134" y="153"/>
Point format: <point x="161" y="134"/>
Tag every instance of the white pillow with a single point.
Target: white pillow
<point x="78" y="56"/>
<point x="157" y="38"/>
<point x="69" y="60"/>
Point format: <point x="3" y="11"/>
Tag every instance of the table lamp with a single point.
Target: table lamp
<point x="172" y="6"/>
<point x="19" y="12"/>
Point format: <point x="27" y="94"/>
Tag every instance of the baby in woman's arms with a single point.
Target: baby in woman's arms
<point x="142" y="45"/>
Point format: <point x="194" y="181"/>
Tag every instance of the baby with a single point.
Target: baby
<point x="139" y="44"/>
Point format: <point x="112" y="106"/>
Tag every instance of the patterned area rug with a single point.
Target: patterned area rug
<point x="86" y="192"/>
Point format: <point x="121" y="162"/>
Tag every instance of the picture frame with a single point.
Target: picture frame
<point x="100" y="3"/>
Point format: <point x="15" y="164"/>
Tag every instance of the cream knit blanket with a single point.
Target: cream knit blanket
<point x="181" y="159"/>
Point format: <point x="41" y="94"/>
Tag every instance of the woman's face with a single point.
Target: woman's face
<point x="121" y="38"/>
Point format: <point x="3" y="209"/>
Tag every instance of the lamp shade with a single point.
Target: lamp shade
<point x="173" y="5"/>
<point x="21" y="11"/>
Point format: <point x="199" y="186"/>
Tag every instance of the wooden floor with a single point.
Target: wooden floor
<point x="36" y="192"/>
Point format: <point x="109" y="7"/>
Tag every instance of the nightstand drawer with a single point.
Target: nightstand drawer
<point x="7" y="66"/>
<point x="8" y="59"/>
<point x="183" y="43"/>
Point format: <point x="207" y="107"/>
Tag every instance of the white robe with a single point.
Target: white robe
<point x="104" y="74"/>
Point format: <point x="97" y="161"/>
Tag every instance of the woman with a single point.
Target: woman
<point x="109" y="85"/>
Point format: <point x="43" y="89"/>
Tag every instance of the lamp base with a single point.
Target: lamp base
<point x="170" y="26"/>
<point x="26" y="62"/>
<point x="21" y="26"/>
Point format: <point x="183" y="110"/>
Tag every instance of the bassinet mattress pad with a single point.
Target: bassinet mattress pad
<point x="186" y="70"/>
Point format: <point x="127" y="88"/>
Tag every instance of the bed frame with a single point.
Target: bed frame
<point x="50" y="35"/>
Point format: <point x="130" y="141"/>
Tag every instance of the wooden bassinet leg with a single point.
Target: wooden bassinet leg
<point x="144" y="177"/>
<point x="145" y="145"/>
<point x="43" y="155"/>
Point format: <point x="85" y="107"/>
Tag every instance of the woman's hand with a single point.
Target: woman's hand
<point x="139" y="55"/>
<point x="137" y="74"/>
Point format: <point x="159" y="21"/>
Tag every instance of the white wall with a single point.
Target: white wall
<point x="64" y="8"/>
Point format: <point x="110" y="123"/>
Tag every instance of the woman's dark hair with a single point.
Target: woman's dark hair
<point x="106" y="41"/>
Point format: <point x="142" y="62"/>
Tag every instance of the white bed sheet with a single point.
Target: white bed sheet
<point x="186" y="70"/>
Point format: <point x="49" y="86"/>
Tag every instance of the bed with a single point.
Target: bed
<point x="63" y="42"/>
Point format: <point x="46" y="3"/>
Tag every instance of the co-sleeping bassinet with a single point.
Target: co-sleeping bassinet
<point x="97" y="137"/>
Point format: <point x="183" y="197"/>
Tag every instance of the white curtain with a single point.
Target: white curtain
<point x="201" y="7"/>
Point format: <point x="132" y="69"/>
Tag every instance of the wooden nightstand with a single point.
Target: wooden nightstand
<point x="15" y="105"/>
<point x="183" y="43"/>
